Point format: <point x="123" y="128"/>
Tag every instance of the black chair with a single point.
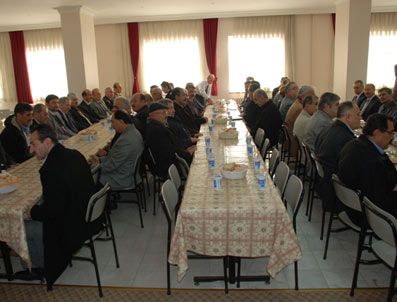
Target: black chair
<point x="169" y="203"/>
<point x="284" y="144"/>
<point x="95" y="212"/>
<point x="138" y="189"/>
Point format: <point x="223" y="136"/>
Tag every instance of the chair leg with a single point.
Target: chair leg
<point x="116" y="256"/>
<point x="96" y="267"/>
<point x="391" y="286"/>
<point x="139" y="203"/>
<point x="331" y="217"/>
<point x="154" y="194"/>
<point x="361" y="240"/>
<point x="168" y="279"/>
<point x="322" y="225"/>
<point x="225" y="276"/>
<point x="296" y="274"/>
<point x="238" y="271"/>
<point x="312" y="197"/>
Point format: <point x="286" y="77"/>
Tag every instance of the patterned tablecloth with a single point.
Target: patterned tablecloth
<point x="239" y="219"/>
<point x="15" y="206"/>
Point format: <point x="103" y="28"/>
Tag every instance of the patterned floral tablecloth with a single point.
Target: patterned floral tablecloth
<point x="239" y="219"/>
<point x="15" y="206"/>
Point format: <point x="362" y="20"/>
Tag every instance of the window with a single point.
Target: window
<point x="382" y="58"/>
<point x="47" y="72"/>
<point x="173" y="60"/>
<point x="262" y="57"/>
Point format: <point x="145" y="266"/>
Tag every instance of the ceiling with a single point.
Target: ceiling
<point x="33" y="14"/>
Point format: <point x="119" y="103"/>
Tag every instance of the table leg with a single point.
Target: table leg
<point x="5" y="251"/>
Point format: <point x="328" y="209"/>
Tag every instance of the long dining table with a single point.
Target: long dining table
<point x="238" y="219"/>
<point x="15" y="206"/>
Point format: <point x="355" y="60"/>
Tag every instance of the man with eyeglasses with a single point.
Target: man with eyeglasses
<point x="365" y="166"/>
<point x="389" y="105"/>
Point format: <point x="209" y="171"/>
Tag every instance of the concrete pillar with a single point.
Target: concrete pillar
<point x="353" y="18"/>
<point x="78" y="34"/>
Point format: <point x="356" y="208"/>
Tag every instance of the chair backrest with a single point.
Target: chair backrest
<point x="347" y="196"/>
<point x="259" y="137"/>
<point x="273" y="161"/>
<point x="183" y="165"/>
<point x="265" y="147"/>
<point x="382" y="223"/>
<point x="281" y="177"/>
<point x="319" y="166"/>
<point x="293" y="195"/>
<point x="95" y="172"/>
<point x="97" y="203"/>
<point x="169" y="200"/>
<point x="138" y="169"/>
<point x="174" y="176"/>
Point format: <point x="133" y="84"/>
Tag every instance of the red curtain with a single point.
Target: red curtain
<point x="133" y="37"/>
<point x="22" y="83"/>
<point x="210" y="35"/>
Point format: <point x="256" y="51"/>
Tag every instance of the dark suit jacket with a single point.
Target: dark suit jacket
<point x="79" y="121"/>
<point x="87" y="110"/>
<point x="373" y="107"/>
<point x="362" y="167"/>
<point x="14" y="142"/>
<point x="189" y="120"/>
<point x="251" y="113"/>
<point x="140" y="119"/>
<point x="5" y="160"/>
<point x="162" y="143"/>
<point x="108" y="102"/>
<point x="67" y="186"/>
<point x="361" y="98"/>
<point x="269" y="119"/>
<point x="182" y="135"/>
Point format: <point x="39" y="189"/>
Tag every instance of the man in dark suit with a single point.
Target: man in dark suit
<point x="86" y="108"/>
<point x="269" y="117"/>
<point x="251" y="110"/>
<point x="108" y="98"/>
<point x="67" y="187"/>
<point x="15" y="137"/>
<point x="371" y="104"/>
<point x="364" y="165"/>
<point x="359" y="96"/>
<point x="140" y="106"/>
<point x="162" y="142"/>
<point x="81" y="121"/>
<point x="330" y="143"/>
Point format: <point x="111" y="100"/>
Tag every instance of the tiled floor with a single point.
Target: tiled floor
<point x="142" y="254"/>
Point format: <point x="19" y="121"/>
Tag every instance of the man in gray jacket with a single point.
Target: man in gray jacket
<point x="117" y="167"/>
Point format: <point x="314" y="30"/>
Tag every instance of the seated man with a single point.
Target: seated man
<point x="330" y="143"/>
<point x="364" y="165"/>
<point x="118" y="166"/>
<point x="86" y="108"/>
<point x="161" y="141"/>
<point x="40" y="115"/>
<point x="156" y="93"/>
<point x="182" y="135"/>
<point x="291" y="93"/>
<point x="359" y="96"/>
<point x="59" y="219"/>
<point x="64" y="111"/>
<point x="56" y="121"/>
<point x="15" y="137"/>
<point x="98" y="106"/>
<point x="108" y="98"/>
<point x="251" y="110"/>
<point x="371" y="102"/>
<point x="140" y="106"/>
<point x="5" y="160"/>
<point x="80" y="120"/>
<point x="194" y="101"/>
<point x="327" y="109"/>
<point x="269" y="118"/>
<point x="389" y="105"/>
<point x="310" y="104"/>
<point x="183" y="112"/>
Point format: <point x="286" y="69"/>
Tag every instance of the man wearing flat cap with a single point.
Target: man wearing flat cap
<point x="161" y="141"/>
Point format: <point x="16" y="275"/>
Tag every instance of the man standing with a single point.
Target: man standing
<point x="389" y="106"/>
<point x="359" y="96"/>
<point x="118" y="166"/>
<point x="371" y="104"/>
<point x="269" y="118"/>
<point x="327" y="109"/>
<point x="15" y="137"/>
<point x="67" y="187"/>
<point x="204" y="89"/>
<point x="365" y="166"/>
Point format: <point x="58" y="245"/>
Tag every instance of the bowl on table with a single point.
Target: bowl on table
<point x="234" y="170"/>
<point x="8" y="182"/>
<point x="228" y="133"/>
<point x="221" y="120"/>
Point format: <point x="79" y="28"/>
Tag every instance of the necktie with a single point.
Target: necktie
<point x="365" y="105"/>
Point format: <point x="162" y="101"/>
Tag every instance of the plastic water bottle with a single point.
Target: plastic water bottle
<point x="257" y="163"/>
<point x="217" y="182"/>
<point x="250" y="150"/>
<point x="248" y="139"/>
<point x="208" y="151"/>
<point x="211" y="161"/>
<point x="207" y="141"/>
<point x="261" y="182"/>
